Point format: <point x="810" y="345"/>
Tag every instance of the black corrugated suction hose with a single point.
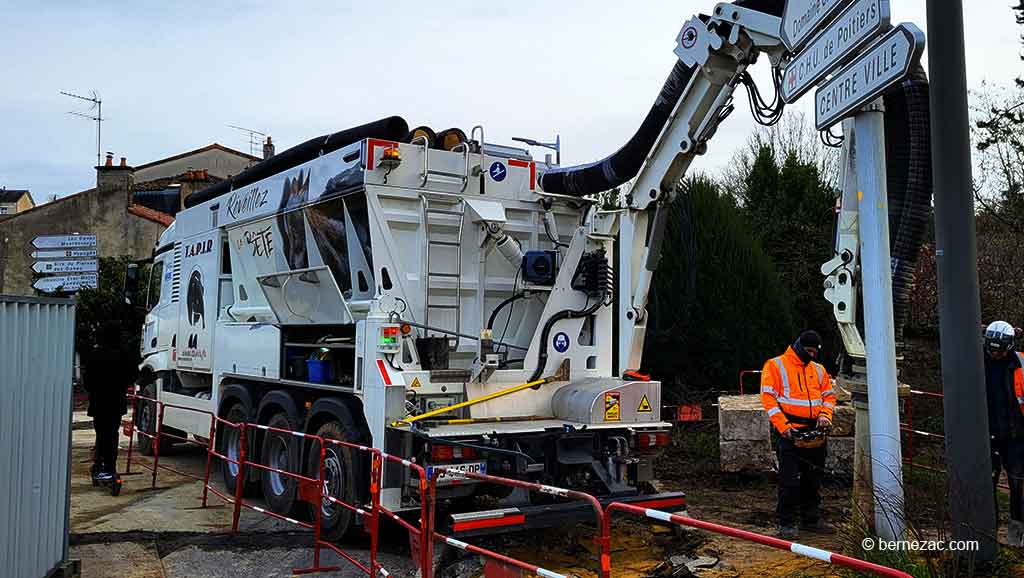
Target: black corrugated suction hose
<point x="390" y="128"/>
<point x="625" y="163"/>
<point x="909" y="180"/>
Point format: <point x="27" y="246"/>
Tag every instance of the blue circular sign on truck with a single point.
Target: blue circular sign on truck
<point x="561" y="342"/>
<point x="498" y="171"/>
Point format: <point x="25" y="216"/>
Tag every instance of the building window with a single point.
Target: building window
<point x="3" y="209"/>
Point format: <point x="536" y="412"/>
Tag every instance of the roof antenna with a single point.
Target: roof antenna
<point x="97" y="105"/>
<point x="256" y="138"/>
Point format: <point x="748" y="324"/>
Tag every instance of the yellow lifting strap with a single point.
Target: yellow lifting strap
<point x="560" y="375"/>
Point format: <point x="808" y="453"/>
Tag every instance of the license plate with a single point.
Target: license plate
<point x="449" y="477"/>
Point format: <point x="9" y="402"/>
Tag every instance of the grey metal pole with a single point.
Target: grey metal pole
<point x="879" y="330"/>
<point x="968" y="462"/>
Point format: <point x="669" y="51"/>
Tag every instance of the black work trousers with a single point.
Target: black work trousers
<point x="800" y="474"/>
<point x="1008" y="454"/>
<point x="106" y="428"/>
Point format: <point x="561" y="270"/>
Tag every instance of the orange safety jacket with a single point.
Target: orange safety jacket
<point x="1018" y="381"/>
<point x="792" y="391"/>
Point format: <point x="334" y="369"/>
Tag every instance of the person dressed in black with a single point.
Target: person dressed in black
<point x="1004" y="390"/>
<point x="107" y="377"/>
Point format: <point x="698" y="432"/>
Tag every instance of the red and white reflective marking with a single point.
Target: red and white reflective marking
<point x="285" y="518"/>
<point x="372" y="144"/>
<point x="385" y="456"/>
<point x="383" y="372"/>
<point x="810" y="552"/>
<point x="526" y="165"/>
<point x="553" y="491"/>
<point x="268" y="428"/>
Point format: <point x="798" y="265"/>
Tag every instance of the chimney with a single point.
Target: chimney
<point x="268" y="149"/>
<point x="115" y="180"/>
<point x="192" y="181"/>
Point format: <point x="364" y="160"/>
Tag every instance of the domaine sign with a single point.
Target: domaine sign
<point x="867" y="77"/>
<point x="855" y="27"/>
<point x="803" y="18"/>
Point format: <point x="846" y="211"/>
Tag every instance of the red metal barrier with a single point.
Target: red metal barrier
<point x="745" y="373"/>
<point x="602" y="539"/>
<point x="799" y="549"/>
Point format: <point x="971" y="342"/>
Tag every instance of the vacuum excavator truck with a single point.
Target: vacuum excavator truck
<point x="448" y="300"/>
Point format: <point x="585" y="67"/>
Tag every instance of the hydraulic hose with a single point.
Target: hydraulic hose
<point x="625" y="163"/>
<point x="390" y="128"/>
<point x="909" y="180"/>
<point x="502" y="305"/>
<point x="542" y="357"/>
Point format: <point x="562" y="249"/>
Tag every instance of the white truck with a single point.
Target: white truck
<point x="357" y="285"/>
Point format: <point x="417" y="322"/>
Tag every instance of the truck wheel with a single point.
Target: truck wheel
<point x="145" y="421"/>
<point x="282" y="452"/>
<point x="340" y="478"/>
<point x="227" y="445"/>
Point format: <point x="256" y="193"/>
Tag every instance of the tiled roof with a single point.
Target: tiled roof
<point x="214" y="146"/>
<point x="149" y="214"/>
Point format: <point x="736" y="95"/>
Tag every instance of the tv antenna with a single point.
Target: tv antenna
<point x="256" y="138"/>
<point x="97" y="105"/>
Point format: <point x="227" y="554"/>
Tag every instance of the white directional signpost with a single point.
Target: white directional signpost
<point x="885" y="63"/>
<point x="64" y="254"/>
<point x="66" y="283"/>
<point x="63" y="241"/>
<point x="69" y="263"/>
<point x="847" y="49"/>
<point x="802" y="19"/>
<point x="856" y="26"/>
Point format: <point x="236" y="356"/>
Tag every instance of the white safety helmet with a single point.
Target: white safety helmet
<point x="999" y="336"/>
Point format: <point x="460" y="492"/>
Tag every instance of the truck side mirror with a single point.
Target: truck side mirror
<point x="131" y="284"/>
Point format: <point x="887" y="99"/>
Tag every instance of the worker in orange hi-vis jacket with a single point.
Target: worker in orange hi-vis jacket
<point x="797" y="393"/>
<point x="1004" y="392"/>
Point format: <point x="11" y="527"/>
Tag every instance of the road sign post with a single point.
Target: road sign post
<point x="854" y="28"/>
<point x="68" y="262"/>
<point x="63" y="241"/>
<point x="66" y="283"/>
<point x="866" y="78"/>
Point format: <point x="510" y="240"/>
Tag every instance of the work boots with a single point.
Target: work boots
<point x="818" y="526"/>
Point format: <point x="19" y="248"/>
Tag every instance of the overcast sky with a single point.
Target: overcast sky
<point x="173" y="75"/>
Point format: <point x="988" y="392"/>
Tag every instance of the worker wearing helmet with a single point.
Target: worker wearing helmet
<point x="1004" y="389"/>
<point x="797" y="393"/>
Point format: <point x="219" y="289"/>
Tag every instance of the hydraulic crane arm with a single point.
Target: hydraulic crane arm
<point x="718" y="49"/>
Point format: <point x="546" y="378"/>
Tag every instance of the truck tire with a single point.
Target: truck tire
<point x="145" y="417"/>
<point x="227" y="445"/>
<point x="283" y="452"/>
<point x="341" y="467"/>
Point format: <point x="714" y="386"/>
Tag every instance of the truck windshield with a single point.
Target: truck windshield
<point x="156" y="276"/>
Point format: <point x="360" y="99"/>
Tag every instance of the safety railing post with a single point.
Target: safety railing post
<point x="319" y="515"/>
<point x="209" y="458"/>
<point x="240" y="478"/>
<point x="156" y="441"/>
<point x="131" y="435"/>
<point x="376" y="480"/>
<point x="427" y="523"/>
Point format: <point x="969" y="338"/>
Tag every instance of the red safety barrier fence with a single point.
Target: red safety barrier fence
<point x="794" y="547"/>
<point x="602" y="539"/>
<point x="312" y="490"/>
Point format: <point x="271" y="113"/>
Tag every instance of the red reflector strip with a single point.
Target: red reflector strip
<point x="526" y="165"/>
<point x="660" y="504"/>
<point x="372" y="144"/>
<point x="383" y="372"/>
<point x="512" y="520"/>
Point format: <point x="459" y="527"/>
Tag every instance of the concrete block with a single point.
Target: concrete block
<point x="843" y="420"/>
<point x="747" y="456"/>
<point x="839" y="461"/>
<point x="741" y="418"/>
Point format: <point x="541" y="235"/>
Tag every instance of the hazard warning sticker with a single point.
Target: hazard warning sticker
<point x="645" y="406"/>
<point x="612" y="406"/>
<point x="416" y="383"/>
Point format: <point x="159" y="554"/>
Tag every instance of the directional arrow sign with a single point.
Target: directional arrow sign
<point x="66" y="283"/>
<point x="64" y="253"/>
<point x="803" y="18"/>
<point x="886" y="62"/>
<point x="858" y="25"/>
<point x="63" y="241"/>
<point x="88" y="266"/>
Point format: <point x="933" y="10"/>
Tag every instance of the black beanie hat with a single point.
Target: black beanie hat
<point x="809" y="339"/>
